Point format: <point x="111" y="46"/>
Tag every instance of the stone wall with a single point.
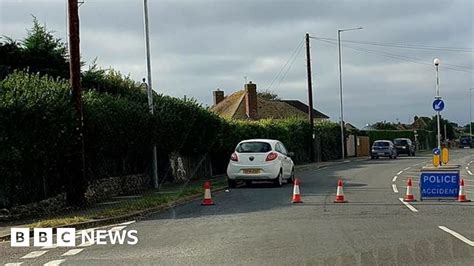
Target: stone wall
<point x="43" y="208"/>
<point x="105" y="188"/>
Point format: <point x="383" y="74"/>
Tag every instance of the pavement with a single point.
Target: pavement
<point x="258" y="225"/>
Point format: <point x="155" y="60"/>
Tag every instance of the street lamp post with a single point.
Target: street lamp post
<point x="149" y="88"/>
<point x="436" y="63"/>
<point x="340" y="88"/>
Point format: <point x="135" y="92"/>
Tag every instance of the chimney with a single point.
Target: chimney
<point x="218" y="96"/>
<point x="251" y="100"/>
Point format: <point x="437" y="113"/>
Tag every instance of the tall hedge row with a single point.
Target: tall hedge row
<point x="36" y="135"/>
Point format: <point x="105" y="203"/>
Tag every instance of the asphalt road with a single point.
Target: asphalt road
<point x="258" y="225"/>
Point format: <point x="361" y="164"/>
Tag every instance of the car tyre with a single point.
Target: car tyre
<point x="248" y="183"/>
<point x="291" y="179"/>
<point x="231" y="183"/>
<point x="278" y="180"/>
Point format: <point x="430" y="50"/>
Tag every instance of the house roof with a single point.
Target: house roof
<point x="304" y="108"/>
<point x="233" y="107"/>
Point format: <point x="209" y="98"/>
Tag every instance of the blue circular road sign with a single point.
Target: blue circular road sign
<point x="438" y="105"/>
<point x="436" y="151"/>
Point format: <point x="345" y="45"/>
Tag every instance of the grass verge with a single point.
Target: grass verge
<point x="168" y="194"/>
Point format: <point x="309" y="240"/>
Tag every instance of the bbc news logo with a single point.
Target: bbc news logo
<point x="67" y="237"/>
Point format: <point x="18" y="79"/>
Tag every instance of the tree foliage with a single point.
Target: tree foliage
<point x="39" y="52"/>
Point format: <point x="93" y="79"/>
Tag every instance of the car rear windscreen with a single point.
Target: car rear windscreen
<point x="401" y="142"/>
<point x="381" y="144"/>
<point x="253" y="147"/>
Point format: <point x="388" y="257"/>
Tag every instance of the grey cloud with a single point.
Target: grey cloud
<point x="198" y="46"/>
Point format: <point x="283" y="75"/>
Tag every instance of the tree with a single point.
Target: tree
<point x="450" y="131"/>
<point x="268" y="95"/>
<point x="40" y="52"/>
<point x="384" y="126"/>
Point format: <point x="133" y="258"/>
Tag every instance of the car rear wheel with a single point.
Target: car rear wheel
<point x="291" y="179"/>
<point x="279" y="180"/>
<point x="231" y="183"/>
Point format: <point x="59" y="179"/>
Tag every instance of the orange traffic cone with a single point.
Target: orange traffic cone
<point x="207" y="194"/>
<point x="296" y="192"/>
<point x="340" y="193"/>
<point x="462" y="195"/>
<point x="409" y="196"/>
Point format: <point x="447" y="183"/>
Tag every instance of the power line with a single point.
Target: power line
<point x="289" y="67"/>
<point x="400" y="57"/>
<point x="293" y="54"/>
<point x="404" y="46"/>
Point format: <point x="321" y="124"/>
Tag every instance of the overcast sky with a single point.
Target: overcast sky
<point x="198" y="46"/>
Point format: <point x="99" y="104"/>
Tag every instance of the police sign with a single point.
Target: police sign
<point x="439" y="184"/>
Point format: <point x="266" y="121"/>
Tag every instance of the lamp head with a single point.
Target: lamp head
<point x="436" y="61"/>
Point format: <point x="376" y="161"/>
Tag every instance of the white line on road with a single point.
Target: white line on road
<point x="406" y="168"/>
<point x="457" y="235"/>
<point x="86" y="244"/>
<point x="408" y="205"/>
<point x="34" y="254"/>
<point x="118" y="228"/>
<point x="73" y="252"/>
<point x="14" y="264"/>
<point x="469" y="172"/>
<point x="394" y="187"/>
<point x="394" y="178"/>
<point x="55" y="245"/>
<point x="400" y="172"/>
<point x="54" y="263"/>
<point x="127" y="223"/>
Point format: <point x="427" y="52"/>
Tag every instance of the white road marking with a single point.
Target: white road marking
<point x="55" y="245"/>
<point x="394" y="178"/>
<point x="406" y="168"/>
<point x="34" y="254"/>
<point x="73" y="252"/>
<point x="469" y="172"/>
<point x="394" y="187"/>
<point x="467" y="168"/>
<point x="408" y="205"/>
<point x="54" y="262"/>
<point x="457" y="235"/>
<point x="127" y="223"/>
<point x="118" y="228"/>
<point x="14" y="264"/>
<point x="86" y="244"/>
<point x="400" y="172"/>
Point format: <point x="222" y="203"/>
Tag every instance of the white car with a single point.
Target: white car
<point x="260" y="160"/>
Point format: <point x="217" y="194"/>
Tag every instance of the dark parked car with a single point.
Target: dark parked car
<point x="383" y="148"/>
<point x="465" y="142"/>
<point x="404" y="146"/>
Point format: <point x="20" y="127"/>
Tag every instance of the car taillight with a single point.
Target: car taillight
<point x="271" y="156"/>
<point x="234" y="157"/>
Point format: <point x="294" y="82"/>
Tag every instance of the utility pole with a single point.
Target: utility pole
<point x="149" y="88"/>
<point x="76" y="186"/>
<point x="310" y="98"/>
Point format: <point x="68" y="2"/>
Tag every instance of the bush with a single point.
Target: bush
<point x="36" y="126"/>
<point x="37" y="140"/>
<point x="329" y="135"/>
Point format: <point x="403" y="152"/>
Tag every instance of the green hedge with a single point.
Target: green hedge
<point x="36" y="135"/>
